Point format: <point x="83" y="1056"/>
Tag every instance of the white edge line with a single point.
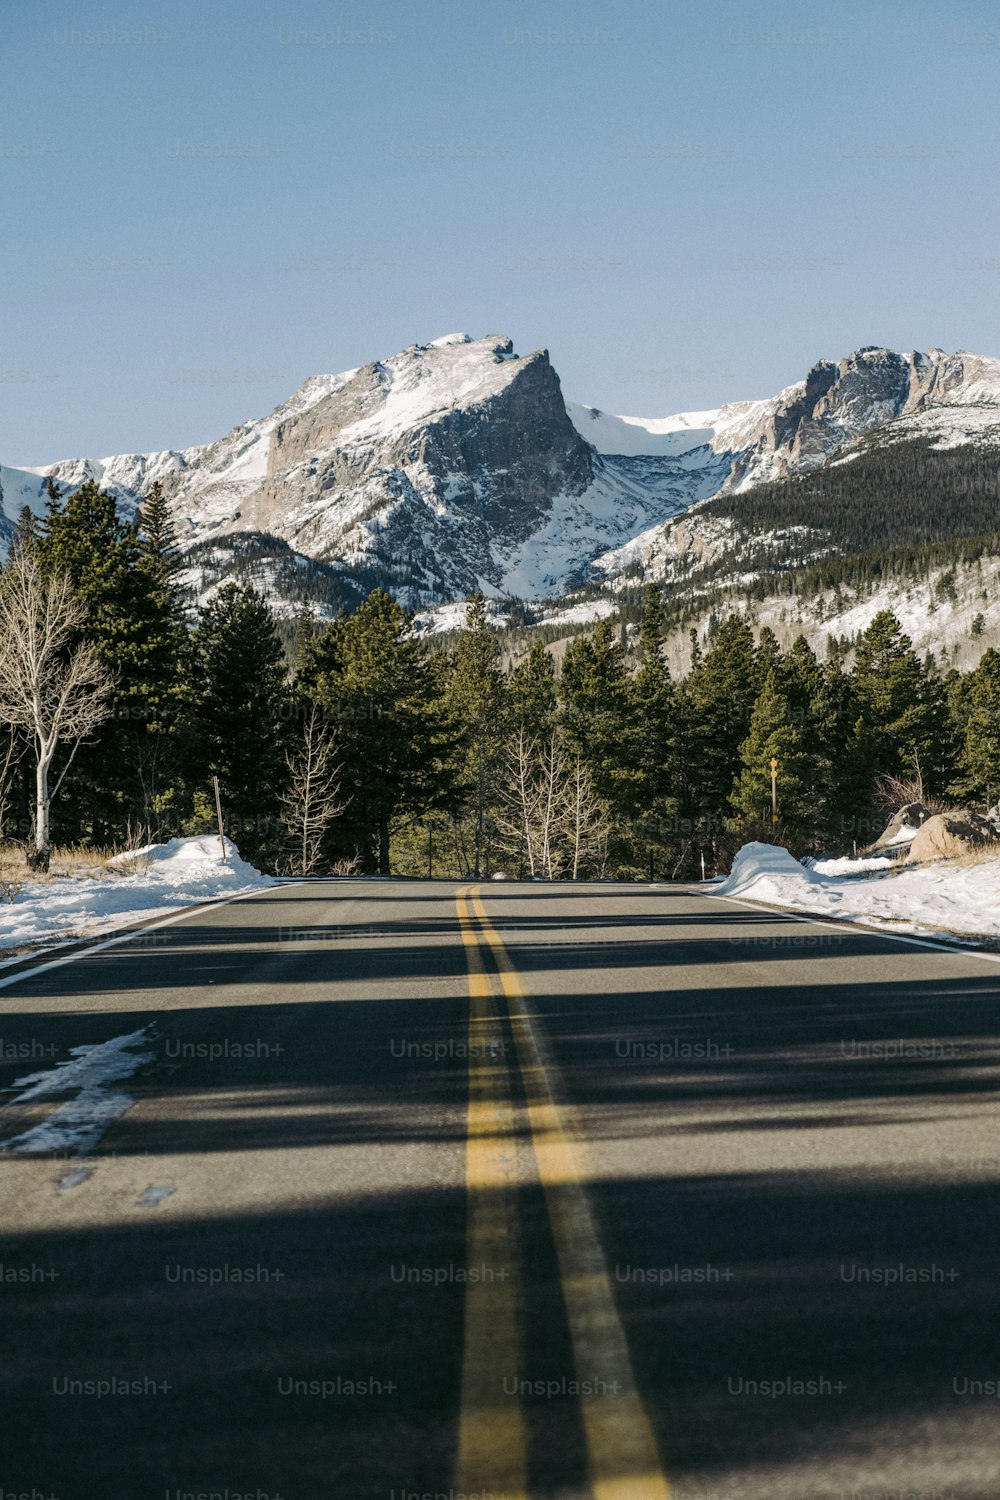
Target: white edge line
<point x="847" y="923"/>
<point x="128" y="937"/>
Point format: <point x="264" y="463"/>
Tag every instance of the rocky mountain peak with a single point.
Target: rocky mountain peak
<point x="457" y="464"/>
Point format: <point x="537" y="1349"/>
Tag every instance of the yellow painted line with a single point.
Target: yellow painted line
<point x="492" y="1439"/>
<point x="623" y="1460"/>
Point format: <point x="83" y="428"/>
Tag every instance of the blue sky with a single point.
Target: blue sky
<point x="685" y="203"/>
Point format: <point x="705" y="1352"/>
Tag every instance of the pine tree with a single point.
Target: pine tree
<point x="26" y="531"/>
<point x="305" y="635"/>
<point x="475" y="695"/>
<point x="531" y="692"/>
<point x="774" y="734"/>
<point x="158" y="538"/>
<point x="767" y="657"/>
<point x="162" y="677"/>
<point x="240" y="713"/>
<point x="718" y="704"/>
<point x="397" y="743"/>
<point x="800" y="677"/>
<point x="595" y="713"/>
<point x="980" y="755"/>
<point x="901" y="725"/>
<point x="135" y="625"/>
<point x="654" y="725"/>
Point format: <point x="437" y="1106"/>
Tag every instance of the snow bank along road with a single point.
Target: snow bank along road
<point x="604" y="1192"/>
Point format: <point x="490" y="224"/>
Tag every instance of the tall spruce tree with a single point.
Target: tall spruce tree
<point x="980" y="753"/>
<point x="654" y="726"/>
<point x="595" y="713"/>
<point x="305" y="634"/>
<point x="476" y="698"/>
<point x="163" y="669"/>
<point x="240" y="714"/>
<point x="901" y="726"/>
<point x="718" y="704"/>
<point x="767" y="656"/>
<point x="134" y="625"/>
<point x="774" y="734"/>
<point x="800" y="678"/>
<point x="397" y="743"/>
<point x="844" y="816"/>
<point x="531" y="693"/>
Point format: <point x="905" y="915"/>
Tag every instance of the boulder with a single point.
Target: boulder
<point x="902" y="825"/>
<point x="949" y="834"/>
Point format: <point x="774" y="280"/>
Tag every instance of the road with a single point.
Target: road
<point x="610" y="1192"/>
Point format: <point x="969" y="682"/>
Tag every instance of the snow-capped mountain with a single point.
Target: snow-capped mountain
<point x="451" y="467"/>
<point x="809" y="423"/>
<point x="874" y="397"/>
<point x="458" y="464"/>
<point x="445" y="468"/>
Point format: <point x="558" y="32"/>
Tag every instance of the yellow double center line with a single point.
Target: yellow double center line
<point x="622" y="1458"/>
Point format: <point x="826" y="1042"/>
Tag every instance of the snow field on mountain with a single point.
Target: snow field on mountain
<point x="407" y="470"/>
<point x="416" y="389"/>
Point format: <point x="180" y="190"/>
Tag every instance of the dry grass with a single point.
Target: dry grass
<point x="984" y="854"/>
<point x="72" y="862"/>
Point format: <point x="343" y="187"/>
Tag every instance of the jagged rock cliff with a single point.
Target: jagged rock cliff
<point x="457" y="465"/>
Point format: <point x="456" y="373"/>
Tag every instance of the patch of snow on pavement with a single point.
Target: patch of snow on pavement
<point x="79" y="1124"/>
<point x="154" y="1195"/>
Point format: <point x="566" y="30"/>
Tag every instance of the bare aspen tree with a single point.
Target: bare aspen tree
<point x="9" y="758"/>
<point x="311" y="803"/>
<point x="551" y="778"/>
<point x="516" y="816"/>
<point x="521" y="822"/>
<point x="551" y="817"/>
<point x="585" y="819"/>
<point x="52" y="685"/>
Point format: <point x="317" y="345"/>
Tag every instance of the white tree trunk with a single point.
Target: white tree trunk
<point x="42" y="806"/>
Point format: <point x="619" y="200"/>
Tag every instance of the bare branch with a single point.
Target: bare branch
<point x="312" y="802"/>
<point x="53" y="686"/>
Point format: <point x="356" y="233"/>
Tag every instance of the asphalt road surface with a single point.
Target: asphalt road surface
<point x="611" y="1192"/>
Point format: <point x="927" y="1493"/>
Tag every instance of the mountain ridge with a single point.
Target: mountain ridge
<point x="458" y="465"/>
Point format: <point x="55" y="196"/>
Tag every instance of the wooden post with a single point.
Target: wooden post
<point x="218" y="817"/>
<point x="774" y="790"/>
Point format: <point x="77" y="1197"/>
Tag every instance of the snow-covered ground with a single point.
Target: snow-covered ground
<point x="166" y="876"/>
<point x="587" y="612"/>
<point x="441" y="617"/>
<point x="930" y="900"/>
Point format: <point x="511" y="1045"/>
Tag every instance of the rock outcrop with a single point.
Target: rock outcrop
<point x="456" y="465"/>
<point x="947" y="835"/>
<point x="902" y="826"/>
